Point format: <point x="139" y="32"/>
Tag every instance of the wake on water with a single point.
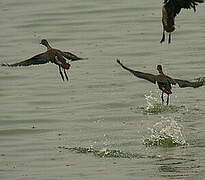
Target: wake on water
<point x="106" y="153"/>
<point x="165" y="133"/>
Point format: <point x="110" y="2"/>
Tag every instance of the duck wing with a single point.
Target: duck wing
<point x="150" y="77"/>
<point x="175" y="6"/>
<point x="35" y="60"/>
<point x="72" y="57"/>
<point x="185" y="83"/>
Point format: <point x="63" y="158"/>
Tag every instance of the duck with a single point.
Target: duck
<point x="52" y="55"/>
<point x="163" y="81"/>
<point x="170" y="9"/>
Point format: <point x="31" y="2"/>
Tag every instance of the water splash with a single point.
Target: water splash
<point x="166" y="133"/>
<point x="151" y="100"/>
<point x="155" y="107"/>
<point x="160" y="108"/>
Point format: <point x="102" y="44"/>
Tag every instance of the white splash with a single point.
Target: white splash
<point x="151" y="101"/>
<point x="167" y="131"/>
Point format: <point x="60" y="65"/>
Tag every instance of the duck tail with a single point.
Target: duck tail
<point x="167" y="91"/>
<point x="66" y="66"/>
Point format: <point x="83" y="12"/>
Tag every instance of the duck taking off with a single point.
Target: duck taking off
<point x="170" y="10"/>
<point x="163" y="81"/>
<point x="51" y="55"/>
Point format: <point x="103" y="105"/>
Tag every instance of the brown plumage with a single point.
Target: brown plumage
<point x="163" y="81"/>
<point x="51" y="55"/>
<point x="170" y="10"/>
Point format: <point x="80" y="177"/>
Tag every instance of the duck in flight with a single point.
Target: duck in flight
<point x="51" y="55"/>
<point x="163" y="81"/>
<point x="170" y="10"/>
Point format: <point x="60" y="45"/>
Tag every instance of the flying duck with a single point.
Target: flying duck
<point x="163" y="81"/>
<point x="170" y="10"/>
<point x="51" y="55"/>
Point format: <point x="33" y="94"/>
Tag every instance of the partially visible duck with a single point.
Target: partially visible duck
<point x="51" y="55"/>
<point x="163" y="81"/>
<point x="170" y="10"/>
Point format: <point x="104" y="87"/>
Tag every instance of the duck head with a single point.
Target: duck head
<point x="45" y="43"/>
<point x="159" y="68"/>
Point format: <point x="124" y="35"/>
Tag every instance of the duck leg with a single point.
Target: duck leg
<point x="66" y="75"/>
<point x="163" y="37"/>
<point x="162" y="96"/>
<point x="167" y="99"/>
<point x="61" y="73"/>
<point x="169" y="41"/>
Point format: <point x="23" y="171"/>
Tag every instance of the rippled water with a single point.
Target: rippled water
<point x="47" y="126"/>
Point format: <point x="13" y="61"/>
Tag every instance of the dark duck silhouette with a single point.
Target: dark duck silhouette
<point x="170" y="10"/>
<point x="163" y="81"/>
<point x="51" y="55"/>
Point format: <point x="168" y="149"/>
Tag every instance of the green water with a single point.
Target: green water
<point x="102" y="107"/>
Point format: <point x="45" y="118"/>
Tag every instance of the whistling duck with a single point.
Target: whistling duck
<point x="51" y="55"/>
<point x="170" y="10"/>
<point x="163" y="81"/>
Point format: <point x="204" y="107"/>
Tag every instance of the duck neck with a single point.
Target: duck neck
<point x="48" y="46"/>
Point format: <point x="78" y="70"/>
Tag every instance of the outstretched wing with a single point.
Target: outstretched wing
<point x="150" y="77"/>
<point x="72" y="57"/>
<point x="175" y="6"/>
<point x="185" y="83"/>
<point x="35" y="60"/>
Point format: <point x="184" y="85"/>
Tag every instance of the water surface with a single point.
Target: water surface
<point x="42" y="119"/>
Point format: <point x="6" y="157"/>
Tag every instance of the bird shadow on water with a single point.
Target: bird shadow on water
<point x="153" y="106"/>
